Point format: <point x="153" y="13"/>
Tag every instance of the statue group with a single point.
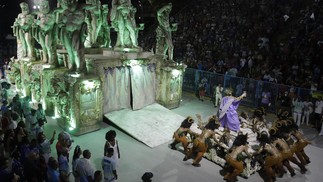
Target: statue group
<point x="78" y="26"/>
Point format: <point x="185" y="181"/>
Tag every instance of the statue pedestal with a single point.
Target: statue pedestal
<point x="84" y="104"/>
<point x="170" y="80"/>
<point x="49" y="78"/>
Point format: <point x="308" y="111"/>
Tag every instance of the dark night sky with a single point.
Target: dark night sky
<point x="9" y="10"/>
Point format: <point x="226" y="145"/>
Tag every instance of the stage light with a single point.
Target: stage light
<point x="175" y="73"/>
<point x="134" y="62"/>
<point x="76" y="75"/>
<point x="72" y="123"/>
<point x="46" y="66"/>
<point x="88" y="85"/>
<point x="56" y="114"/>
<point x="126" y="49"/>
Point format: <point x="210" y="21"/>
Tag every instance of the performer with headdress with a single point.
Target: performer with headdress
<point x="233" y="158"/>
<point x="199" y="144"/>
<point x="180" y="134"/>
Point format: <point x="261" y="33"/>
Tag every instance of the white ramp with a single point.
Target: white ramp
<point x="153" y="125"/>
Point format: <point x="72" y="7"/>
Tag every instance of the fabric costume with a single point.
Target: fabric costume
<point x="180" y="137"/>
<point x="270" y="163"/>
<point x="228" y="115"/>
<point x="199" y="146"/>
<point x="237" y="165"/>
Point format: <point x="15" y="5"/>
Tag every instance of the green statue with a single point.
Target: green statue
<point x="94" y="22"/>
<point x="123" y="21"/>
<point x="22" y="29"/>
<point x="45" y="32"/>
<point x="72" y="27"/>
<point x="104" y="34"/>
<point x="164" y="43"/>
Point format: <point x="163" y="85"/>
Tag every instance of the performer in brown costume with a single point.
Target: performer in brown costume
<point x="180" y="134"/>
<point x="300" y="144"/>
<point x="286" y="152"/>
<point x="240" y="145"/>
<point x="273" y="159"/>
<point x="199" y="143"/>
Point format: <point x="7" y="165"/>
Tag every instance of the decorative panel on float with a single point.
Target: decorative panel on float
<point x="83" y="112"/>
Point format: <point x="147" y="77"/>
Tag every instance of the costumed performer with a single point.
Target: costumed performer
<point x="228" y="110"/>
<point x="180" y="134"/>
<point x="235" y="157"/>
<point x="200" y="143"/>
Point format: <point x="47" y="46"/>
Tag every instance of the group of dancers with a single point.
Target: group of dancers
<point x="276" y="145"/>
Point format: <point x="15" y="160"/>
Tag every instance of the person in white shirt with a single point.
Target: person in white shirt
<point x="31" y="124"/>
<point x="109" y="166"/>
<point x="308" y="109"/>
<point x="85" y="168"/>
<point x="298" y="109"/>
<point x="218" y="94"/>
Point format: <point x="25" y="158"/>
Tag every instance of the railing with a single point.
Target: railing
<point x="254" y="88"/>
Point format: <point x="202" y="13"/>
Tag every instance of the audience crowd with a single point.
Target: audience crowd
<point x="276" y="41"/>
<point x="25" y="150"/>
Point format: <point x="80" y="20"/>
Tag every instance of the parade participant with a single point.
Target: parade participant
<point x="265" y="99"/>
<point x="298" y="106"/>
<point x="240" y="145"/>
<point x="199" y="144"/>
<point x="308" y="109"/>
<point x="300" y="144"/>
<point x="226" y="141"/>
<point x="111" y="142"/>
<point x="180" y="134"/>
<point x="286" y="152"/>
<point x="228" y="110"/>
<point x="272" y="160"/>
<point x="218" y="94"/>
<point x="202" y="89"/>
<point x="245" y="120"/>
<point x="258" y="122"/>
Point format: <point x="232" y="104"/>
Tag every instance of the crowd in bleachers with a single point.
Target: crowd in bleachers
<point x="276" y="41"/>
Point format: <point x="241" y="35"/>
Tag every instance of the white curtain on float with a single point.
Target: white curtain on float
<point x="116" y="89"/>
<point x="142" y="85"/>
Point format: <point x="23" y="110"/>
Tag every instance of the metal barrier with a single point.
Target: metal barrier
<point x="254" y="88"/>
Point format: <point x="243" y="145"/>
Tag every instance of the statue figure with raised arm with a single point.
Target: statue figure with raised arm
<point x="104" y="34"/>
<point x="72" y="28"/>
<point x="94" y="22"/>
<point x="22" y="29"/>
<point x="123" y="21"/>
<point x="164" y="31"/>
<point x="45" y="32"/>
